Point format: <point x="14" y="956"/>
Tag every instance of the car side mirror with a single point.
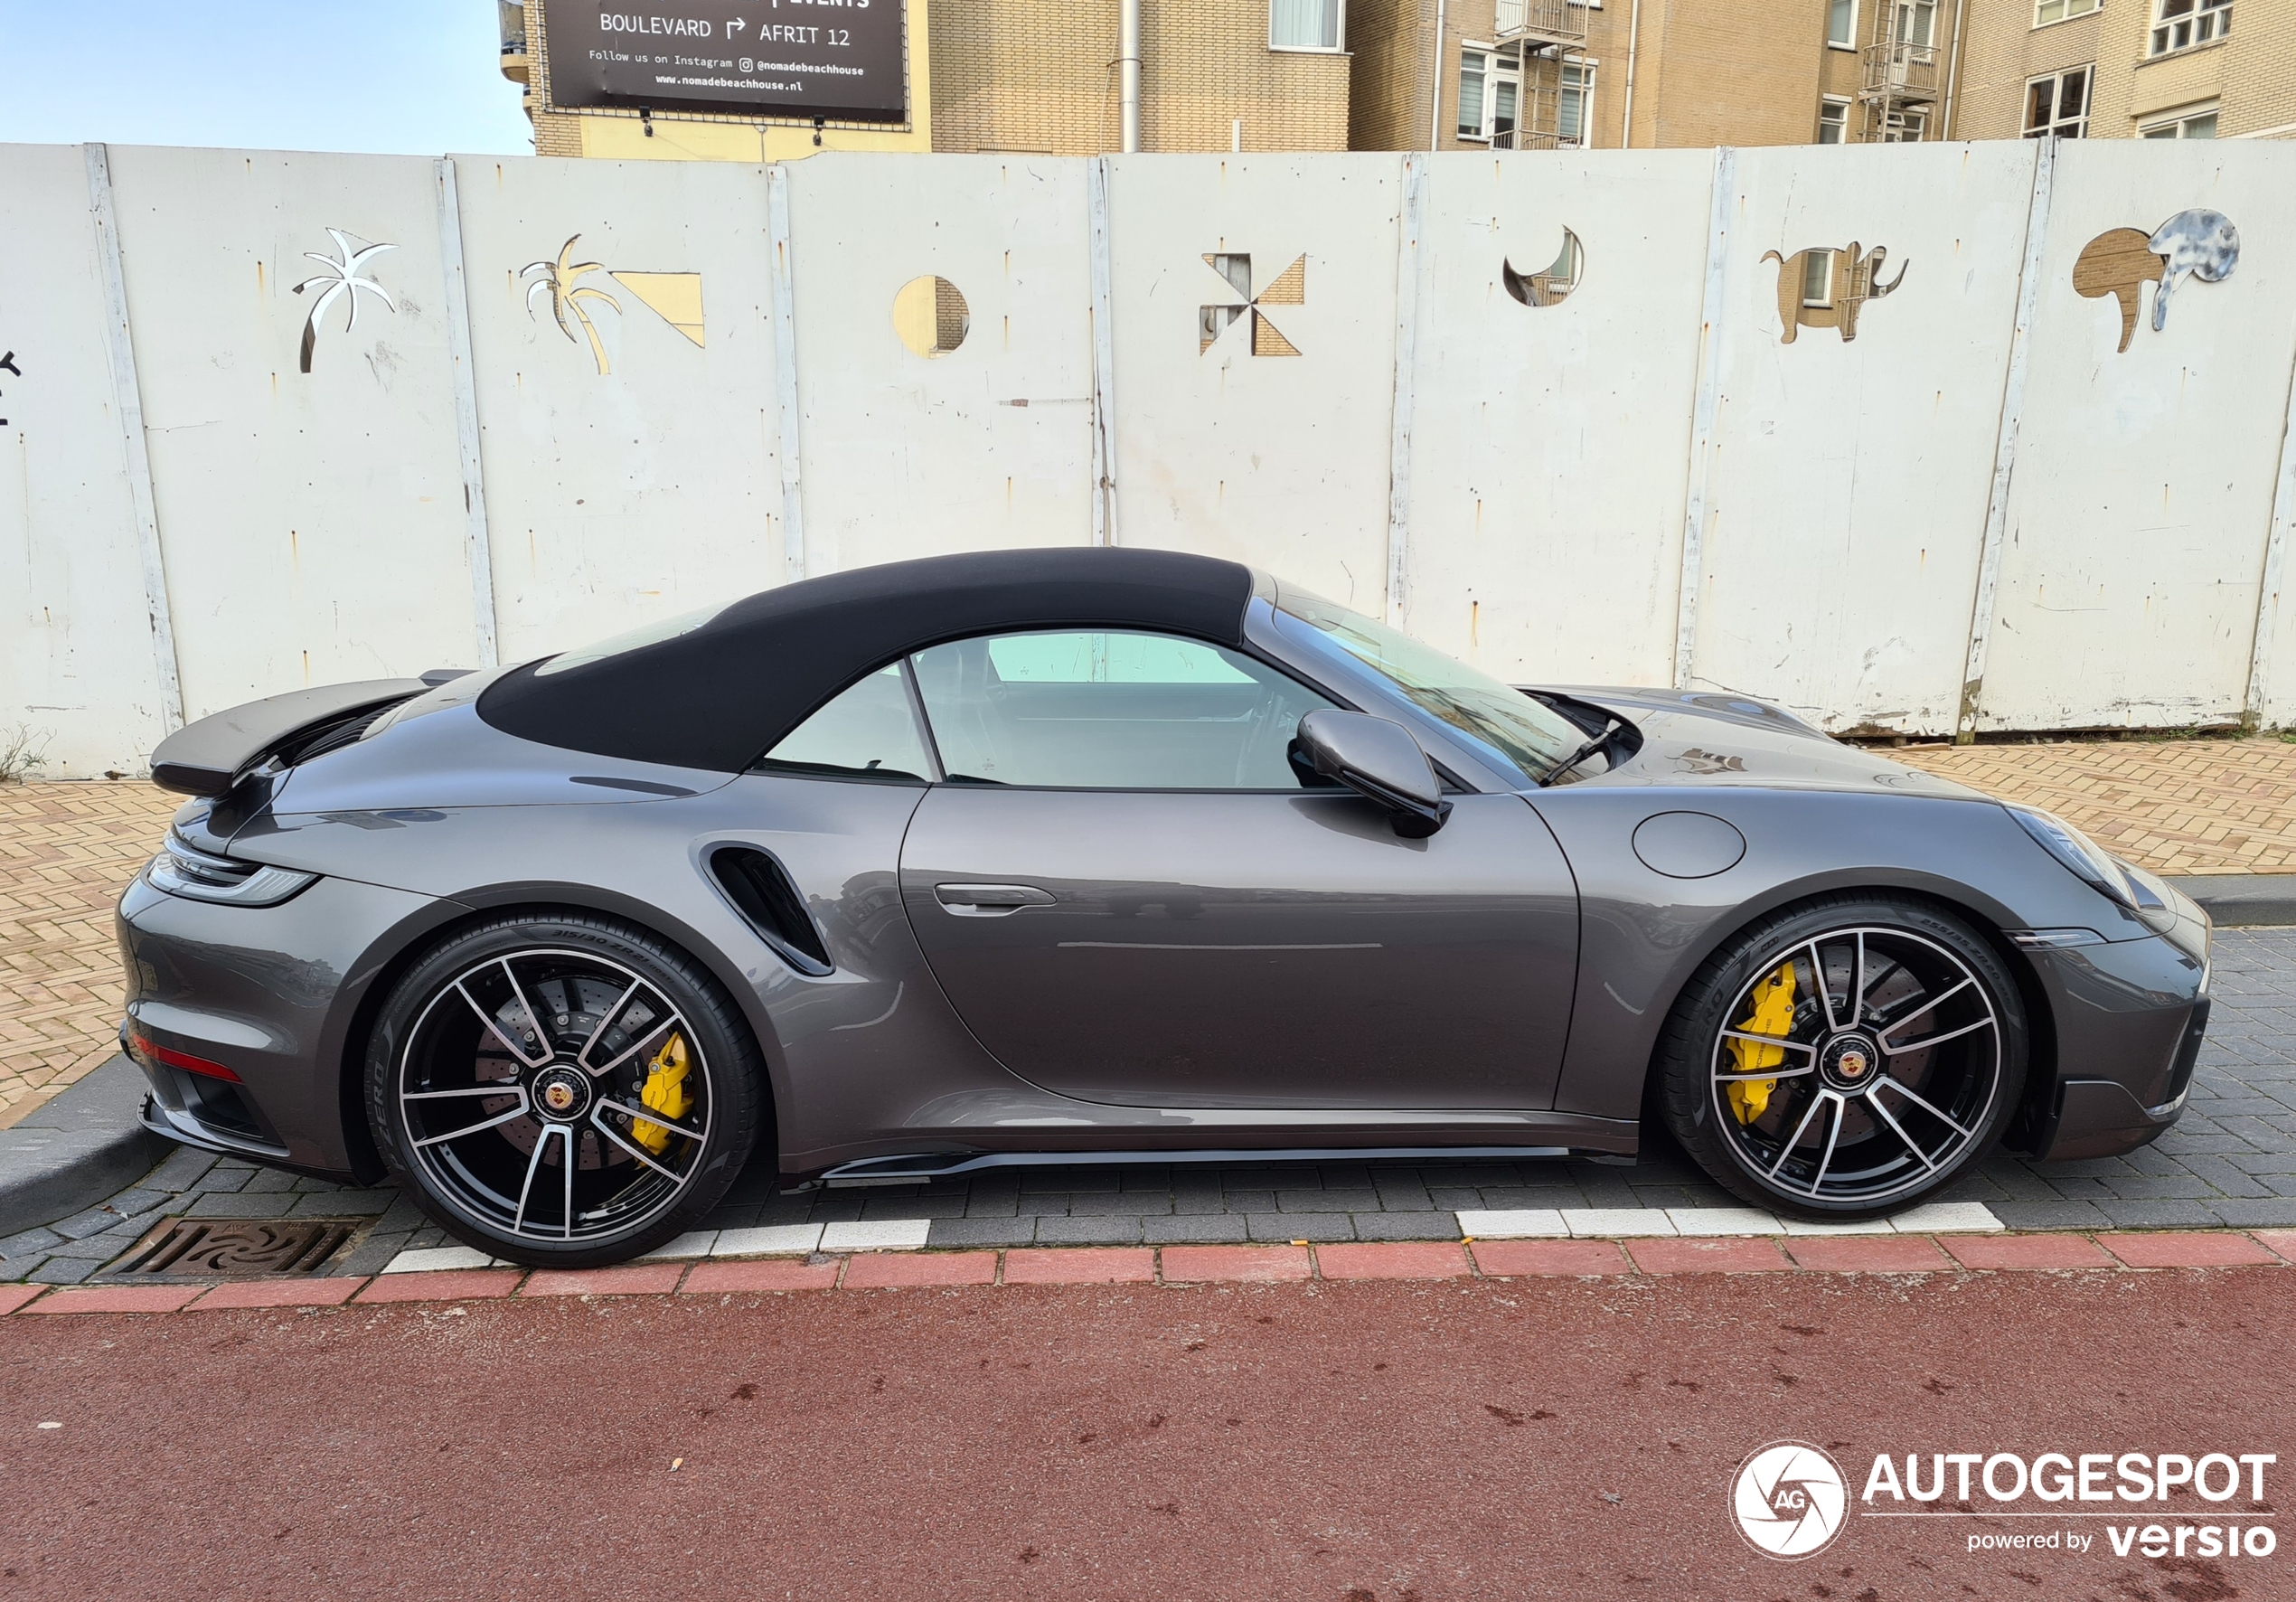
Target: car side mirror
<point x="1377" y="758"/>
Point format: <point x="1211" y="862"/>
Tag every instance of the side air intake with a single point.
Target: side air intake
<point x="760" y="890"/>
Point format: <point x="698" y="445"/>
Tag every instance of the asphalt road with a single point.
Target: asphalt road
<point x="1493" y="1440"/>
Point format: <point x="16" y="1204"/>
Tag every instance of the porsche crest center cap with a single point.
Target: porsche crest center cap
<point x="562" y="1094"/>
<point x="1850" y="1062"/>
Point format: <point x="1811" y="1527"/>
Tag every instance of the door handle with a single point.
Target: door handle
<point x="990" y="900"/>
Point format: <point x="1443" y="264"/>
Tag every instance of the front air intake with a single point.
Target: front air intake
<point x="761" y="890"/>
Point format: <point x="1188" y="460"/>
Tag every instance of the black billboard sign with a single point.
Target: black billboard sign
<point x="841" y="59"/>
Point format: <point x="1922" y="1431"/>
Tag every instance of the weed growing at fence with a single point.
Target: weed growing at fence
<point x="23" y="751"/>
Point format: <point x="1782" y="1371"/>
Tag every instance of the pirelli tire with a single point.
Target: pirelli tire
<point x="1845" y="1059"/>
<point x="562" y="1089"/>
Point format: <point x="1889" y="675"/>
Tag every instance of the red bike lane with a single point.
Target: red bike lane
<point x="1494" y="1438"/>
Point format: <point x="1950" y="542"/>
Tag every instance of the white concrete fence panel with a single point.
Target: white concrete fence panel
<point x="77" y="656"/>
<point x="1887" y="434"/>
<point x="2144" y="486"/>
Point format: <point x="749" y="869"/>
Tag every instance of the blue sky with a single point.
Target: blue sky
<point x="409" y="77"/>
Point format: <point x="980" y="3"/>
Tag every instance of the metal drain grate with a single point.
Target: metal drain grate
<point x="234" y="1248"/>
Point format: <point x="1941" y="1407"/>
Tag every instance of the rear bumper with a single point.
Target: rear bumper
<point x="275" y="995"/>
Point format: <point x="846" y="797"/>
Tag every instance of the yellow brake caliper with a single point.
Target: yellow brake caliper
<point x="665" y="1092"/>
<point x="1773" y="1015"/>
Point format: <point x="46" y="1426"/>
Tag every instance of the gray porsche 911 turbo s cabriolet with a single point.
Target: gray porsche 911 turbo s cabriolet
<point x="1105" y="852"/>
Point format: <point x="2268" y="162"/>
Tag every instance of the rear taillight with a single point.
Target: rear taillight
<point x="148" y="1051"/>
<point x="197" y="875"/>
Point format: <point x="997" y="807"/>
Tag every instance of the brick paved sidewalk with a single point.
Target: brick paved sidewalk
<point x="2172" y="806"/>
<point x="2230" y="1162"/>
<point x="65" y="851"/>
<point x="2176" y="806"/>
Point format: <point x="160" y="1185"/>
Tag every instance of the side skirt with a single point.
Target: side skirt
<point x="913" y="1168"/>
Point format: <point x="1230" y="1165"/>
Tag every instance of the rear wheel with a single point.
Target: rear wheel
<point x="1846" y="1059"/>
<point x="562" y="1090"/>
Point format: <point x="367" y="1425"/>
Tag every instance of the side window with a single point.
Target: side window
<point x="869" y="731"/>
<point x="1110" y="711"/>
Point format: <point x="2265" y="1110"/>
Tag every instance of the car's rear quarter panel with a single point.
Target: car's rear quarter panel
<point x="850" y="1054"/>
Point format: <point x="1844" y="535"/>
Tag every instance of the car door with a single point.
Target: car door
<point x="1129" y="896"/>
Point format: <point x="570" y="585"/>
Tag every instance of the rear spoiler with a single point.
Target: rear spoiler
<point x="211" y="756"/>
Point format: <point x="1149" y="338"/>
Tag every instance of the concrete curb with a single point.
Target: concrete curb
<point x="1181" y="1267"/>
<point x="78" y="1148"/>
<point x="2236" y="901"/>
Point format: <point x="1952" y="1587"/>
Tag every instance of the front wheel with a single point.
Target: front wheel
<point x="1846" y="1059"/>
<point x="562" y="1090"/>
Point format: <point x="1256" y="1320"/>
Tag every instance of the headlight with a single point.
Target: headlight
<point x="2087" y="861"/>
<point x="180" y="871"/>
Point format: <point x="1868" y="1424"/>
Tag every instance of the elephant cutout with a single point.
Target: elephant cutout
<point x="2198" y="244"/>
<point x="1826" y="289"/>
<point x="1551" y="285"/>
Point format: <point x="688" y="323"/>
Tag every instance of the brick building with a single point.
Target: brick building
<point x="2129" y="68"/>
<point x="1042" y="76"/>
<point x="1538" y="74"/>
<point x="1039" y="76"/>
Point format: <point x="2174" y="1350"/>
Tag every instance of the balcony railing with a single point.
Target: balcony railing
<point x="1531" y="139"/>
<point x="1900" y="71"/>
<point x="1545" y="22"/>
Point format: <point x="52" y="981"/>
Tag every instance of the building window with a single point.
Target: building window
<point x="1833" y="121"/>
<point x="2201" y="123"/>
<point x="1817" y="279"/>
<point x="2183" y="23"/>
<point x="2058" y="105"/>
<point x="1905" y="127"/>
<point x="1490" y="87"/>
<point x="1213" y="320"/>
<point x="1917" y="22"/>
<point x="1576" y="100"/>
<point x="1842" y="23"/>
<point x="1304" y="24"/>
<point x="2045" y="12"/>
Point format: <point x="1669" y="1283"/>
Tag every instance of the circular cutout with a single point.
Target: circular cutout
<point x="1688" y="844"/>
<point x="930" y="316"/>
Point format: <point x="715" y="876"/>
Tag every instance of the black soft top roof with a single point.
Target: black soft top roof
<point x="718" y="697"/>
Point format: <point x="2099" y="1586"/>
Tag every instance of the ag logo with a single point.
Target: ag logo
<point x="1790" y="1500"/>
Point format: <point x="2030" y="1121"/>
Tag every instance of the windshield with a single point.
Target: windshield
<point x="1533" y="737"/>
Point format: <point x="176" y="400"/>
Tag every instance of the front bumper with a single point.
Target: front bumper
<point x="2130" y="1017"/>
<point x="2092" y="1117"/>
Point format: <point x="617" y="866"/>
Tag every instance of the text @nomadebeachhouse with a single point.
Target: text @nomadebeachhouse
<point x="1792" y="1500"/>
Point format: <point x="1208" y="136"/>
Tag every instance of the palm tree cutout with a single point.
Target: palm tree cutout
<point x="561" y="280"/>
<point x="342" y="280"/>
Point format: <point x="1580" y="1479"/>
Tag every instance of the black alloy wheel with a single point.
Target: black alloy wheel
<point x="562" y="1090"/>
<point x="1846" y="1059"/>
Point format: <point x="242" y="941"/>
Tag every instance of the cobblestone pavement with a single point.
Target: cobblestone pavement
<point x="2176" y="806"/>
<point x="2231" y="1160"/>
<point x="65" y="850"/>
<point x="2173" y="805"/>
